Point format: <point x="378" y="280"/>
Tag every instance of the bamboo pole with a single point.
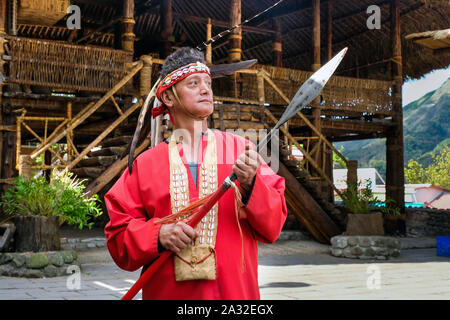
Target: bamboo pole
<point x="85" y="113"/>
<point x="235" y="37"/>
<point x="54" y="131"/>
<point x="3" y="10"/>
<point x="237" y="100"/>
<point x="116" y="105"/>
<point x="18" y="141"/>
<point x="128" y="23"/>
<point x="248" y="71"/>
<point x="145" y="81"/>
<point x="261" y="94"/>
<point x="166" y="15"/>
<point x="25" y="166"/>
<point x="330" y="29"/>
<point x="208" y="52"/>
<point x="277" y="50"/>
<point x="70" y="134"/>
<point x="105" y="133"/>
<point x="42" y="141"/>
<point x="72" y="146"/>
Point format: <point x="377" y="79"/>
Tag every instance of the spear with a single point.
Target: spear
<point x="198" y="209"/>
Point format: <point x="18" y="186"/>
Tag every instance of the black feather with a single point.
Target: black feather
<point x="223" y="70"/>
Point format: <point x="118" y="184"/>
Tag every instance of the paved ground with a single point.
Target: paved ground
<point x="288" y="270"/>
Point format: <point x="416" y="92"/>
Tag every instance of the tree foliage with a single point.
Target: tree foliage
<point x="437" y="173"/>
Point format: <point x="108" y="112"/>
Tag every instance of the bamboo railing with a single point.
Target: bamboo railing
<point x="341" y="94"/>
<point x="67" y="126"/>
<point x="61" y="65"/>
<point x="312" y="159"/>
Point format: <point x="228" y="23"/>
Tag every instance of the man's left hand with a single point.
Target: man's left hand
<point x="246" y="166"/>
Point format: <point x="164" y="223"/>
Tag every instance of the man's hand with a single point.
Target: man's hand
<point x="176" y="236"/>
<point x="246" y="166"/>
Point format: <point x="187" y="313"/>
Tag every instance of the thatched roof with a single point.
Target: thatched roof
<point x="369" y="50"/>
<point x="437" y="39"/>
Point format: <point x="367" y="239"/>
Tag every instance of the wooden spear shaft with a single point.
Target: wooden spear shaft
<point x="204" y="209"/>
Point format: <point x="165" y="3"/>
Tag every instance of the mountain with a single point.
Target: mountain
<point x="426" y="130"/>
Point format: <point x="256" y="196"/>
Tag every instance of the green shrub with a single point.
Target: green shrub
<point x="63" y="197"/>
<point x="358" y="200"/>
<point x="390" y="208"/>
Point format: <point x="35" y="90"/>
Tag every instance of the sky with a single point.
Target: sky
<point x="414" y="89"/>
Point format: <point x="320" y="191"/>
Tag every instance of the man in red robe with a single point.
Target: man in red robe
<point x="218" y="259"/>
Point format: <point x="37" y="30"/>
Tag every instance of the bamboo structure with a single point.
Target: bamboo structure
<point x="277" y="45"/>
<point x="395" y="179"/>
<point x="81" y="89"/>
<point x="65" y="66"/>
<point x="208" y="50"/>
<point x="128" y="23"/>
<point x="235" y="37"/>
<point x="166" y="28"/>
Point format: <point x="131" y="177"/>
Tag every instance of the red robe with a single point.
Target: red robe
<point x="136" y="200"/>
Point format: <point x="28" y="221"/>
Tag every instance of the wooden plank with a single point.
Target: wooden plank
<point x="11" y="128"/>
<point x="102" y="161"/>
<point x="115" y="169"/>
<point x="109" y="151"/>
<point x="237" y="100"/>
<point x="116" y="141"/>
<point x="91" y="172"/>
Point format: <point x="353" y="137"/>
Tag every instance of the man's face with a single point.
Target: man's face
<point x="196" y="94"/>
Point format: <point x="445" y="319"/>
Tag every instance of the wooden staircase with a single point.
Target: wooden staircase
<point x="307" y="201"/>
<point x="304" y="196"/>
<point x="97" y="162"/>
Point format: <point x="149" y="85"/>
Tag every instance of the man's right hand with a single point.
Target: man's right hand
<point x="176" y="236"/>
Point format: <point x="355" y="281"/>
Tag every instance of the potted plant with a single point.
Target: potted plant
<point x="364" y="219"/>
<point x="39" y="206"/>
<point x="394" y="220"/>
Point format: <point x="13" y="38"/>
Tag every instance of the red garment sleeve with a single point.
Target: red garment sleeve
<point x="131" y="235"/>
<point x="266" y="209"/>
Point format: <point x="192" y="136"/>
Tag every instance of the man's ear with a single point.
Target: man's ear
<point x="167" y="98"/>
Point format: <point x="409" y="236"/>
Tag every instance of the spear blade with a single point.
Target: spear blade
<point x="311" y="88"/>
<point x="223" y="70"/>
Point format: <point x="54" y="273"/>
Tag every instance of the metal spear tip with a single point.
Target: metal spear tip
<point x="311" y="88"/>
